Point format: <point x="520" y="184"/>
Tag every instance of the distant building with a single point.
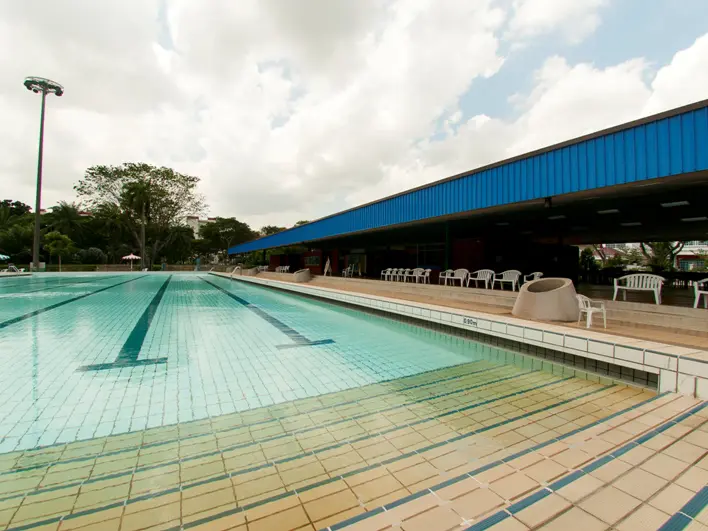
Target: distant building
<point x="196" y="224"/>
<point x="692" y="256"/>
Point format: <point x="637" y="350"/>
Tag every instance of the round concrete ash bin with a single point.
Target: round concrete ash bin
<point x="547" y="299"/>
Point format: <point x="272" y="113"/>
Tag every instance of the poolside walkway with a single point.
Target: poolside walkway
<point x="479" y="445"/>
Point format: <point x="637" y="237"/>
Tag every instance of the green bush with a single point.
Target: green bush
<point x="157" y="267"/>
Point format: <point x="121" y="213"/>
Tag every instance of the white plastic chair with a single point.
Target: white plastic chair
<point x="640" y="282"/>
<point x="485" y="275"/>
<point x="425" y="278"/>
<point x="589" y="307"/>
<point x="385" y="273"/>
<point x="700" y="290"/>
<point x="444" y="275"/>
<point x="459" y="274"/>
<point x="533" y="276"/>
<point x="507" y="277"/>
<point x="414" y="274"/>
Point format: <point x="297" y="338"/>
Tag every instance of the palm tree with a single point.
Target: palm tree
<point x="65" y="218"/>
<point x="136" y="198"/>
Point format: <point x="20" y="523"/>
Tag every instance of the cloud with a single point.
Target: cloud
<point x="573" y="19"/>
<point x="289" y="116"/>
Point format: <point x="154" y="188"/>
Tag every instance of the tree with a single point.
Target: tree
<point x="661" y="256"/>
<point x="92" y="255"/>
<point x="58" y="244"/>
<point x="65" y="218"/>
<point x="16" y="208"/>
<point x="600" y="250"/>
<point x="271" y="229"/>
<point x="223" y="233"/>
<point x="303" y="222"/>
<point x="150" y="200"/>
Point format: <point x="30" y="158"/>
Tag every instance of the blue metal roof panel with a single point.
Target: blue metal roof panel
<point x="668" y="144"/>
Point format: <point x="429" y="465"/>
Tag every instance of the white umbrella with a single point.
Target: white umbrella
<point x="131" y="257"/>
<point x="4" y="257"/>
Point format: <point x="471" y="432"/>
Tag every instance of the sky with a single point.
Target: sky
<point x="296" y="110"/>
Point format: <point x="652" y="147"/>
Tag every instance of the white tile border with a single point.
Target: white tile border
<point x="677" y="371"/>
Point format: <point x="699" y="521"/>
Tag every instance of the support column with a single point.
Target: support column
<point x="448" y="246"/>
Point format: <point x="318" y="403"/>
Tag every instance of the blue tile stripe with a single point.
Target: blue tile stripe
<point x="498" y="462"/>
<point x="296" y="337"/>
<point x="683" y="518"/>
<point x="302" y="489"/>
<point x="701" y="498"/>
<point x="257" y="423"/>
<point x="29" y="315"/>
<point x="128" y="355"/>
<point x="282" y="436"/>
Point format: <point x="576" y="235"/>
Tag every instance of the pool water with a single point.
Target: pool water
<point x="91" y="355"/>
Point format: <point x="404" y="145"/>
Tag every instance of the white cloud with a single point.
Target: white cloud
<point x="574" y="19"/>
<point x="286" y="115"/>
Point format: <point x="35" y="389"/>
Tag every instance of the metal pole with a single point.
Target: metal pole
<point x="37" y="214"/>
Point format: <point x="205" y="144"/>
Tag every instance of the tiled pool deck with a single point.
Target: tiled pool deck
<point x="446" y="440"/>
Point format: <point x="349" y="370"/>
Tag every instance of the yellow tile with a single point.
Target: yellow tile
<point x="212" y="469"/>
<point x="285" y="520"/>
<point x="386" y="499"/>
<point x="330" y="505"/>
<point x="94" y="520"/>
<point x="671" y="499"/>
<point x="476" y="503"/>
<point x="640" y="484"/>
<point x="211" y="486"/>
<point x="543" y="511"/>
<point x="664" y="466"/>
<point x="610" y="504"/>
<point x="577" y="520"/>
<point x="513" y="486"/>
<point x="152" y="503"/>
<point x="376" y="488"/>
<point x="151" y="517"/>
<point x="339" y="517"/>
<point x="416" y="473"/>
<point x="545" y="471"/>
<point x="646" y="517"/>
<point x="209" y="501"/>
<point x="150" y="484"/>
<point x="436" y="519"/>
<point x="102" y="496"/>
<point x="32" y="511"/>
<point x="260" y="486"/>
<point x="322" y="491"/>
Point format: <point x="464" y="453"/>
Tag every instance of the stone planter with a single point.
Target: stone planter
<point x="547" y="299"/>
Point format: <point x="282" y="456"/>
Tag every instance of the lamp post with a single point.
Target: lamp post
<point x="44" y="86"/>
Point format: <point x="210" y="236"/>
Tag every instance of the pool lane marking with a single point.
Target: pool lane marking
<point x="26" y="316"/>
<point x="57" y="286"/>
<point x="128" y="355"/>
<point x="286" y="494"/>
<point x="537" y="496"/>
<point x="685" y="516"/>
<point x="298" y="339"/>
<point x="250" y="424"/>
<point x="294" y="457"/>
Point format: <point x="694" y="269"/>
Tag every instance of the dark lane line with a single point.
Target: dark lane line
<point x="128" y="355"/>
<point x="60" y="285"/>
<point x="26" y="316"/>
<point x="297" y="338"/>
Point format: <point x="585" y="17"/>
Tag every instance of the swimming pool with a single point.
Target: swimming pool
<point x="175" y="401"/>
<point x="93" y="355"/>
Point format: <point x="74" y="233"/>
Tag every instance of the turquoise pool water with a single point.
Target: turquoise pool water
<point x="89" y="355"/>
